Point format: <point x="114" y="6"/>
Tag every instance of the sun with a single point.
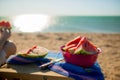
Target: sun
<point x="31" y="23"/>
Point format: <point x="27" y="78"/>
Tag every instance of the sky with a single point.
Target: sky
<point x="60" y="7"/>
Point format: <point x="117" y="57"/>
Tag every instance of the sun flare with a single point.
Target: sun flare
<point x="31" y="23"/>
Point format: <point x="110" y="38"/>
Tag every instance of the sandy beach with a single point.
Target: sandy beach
<point x="109" y="59"/>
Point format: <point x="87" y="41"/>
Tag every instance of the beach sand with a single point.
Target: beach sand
<point x="109" y="59"/>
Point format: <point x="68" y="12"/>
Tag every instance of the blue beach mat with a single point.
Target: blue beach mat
<point x="76" y="72"/>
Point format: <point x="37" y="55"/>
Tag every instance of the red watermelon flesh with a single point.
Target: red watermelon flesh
<point x="4" y="24"/>
<point x="74" y="41"/>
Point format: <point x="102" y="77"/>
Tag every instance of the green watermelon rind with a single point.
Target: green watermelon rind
<point x="33" y="55"/>
<point x="82" y="51"/>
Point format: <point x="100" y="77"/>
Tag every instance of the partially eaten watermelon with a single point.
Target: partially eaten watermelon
<point x="80" y="45"/>
<point x="34" y="52"/>
<point x="5" y="24"/>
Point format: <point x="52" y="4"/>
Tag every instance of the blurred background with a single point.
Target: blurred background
<point x="87" y="16"/>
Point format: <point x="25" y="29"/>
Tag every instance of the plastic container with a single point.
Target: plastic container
<point x="83" y="60"/>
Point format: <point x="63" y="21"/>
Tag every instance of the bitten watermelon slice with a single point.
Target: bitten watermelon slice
<point x="80" y="45"/>
<point x="4" y="24"/>
<point x="36" y="51"/>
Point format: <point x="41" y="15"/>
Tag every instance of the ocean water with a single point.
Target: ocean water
<point x="89" y="24"/>
<point x="100" y="24"/>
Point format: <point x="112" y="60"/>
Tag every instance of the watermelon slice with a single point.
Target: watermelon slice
<point x="4" y="24"/>
<point x="86" y="47"/>
<point x="8" y="26"/>
<point x="71" y="45"/>
<point x="74" y="41"/>
<point x="34" y="52"/>
<point x="66" y="48"/>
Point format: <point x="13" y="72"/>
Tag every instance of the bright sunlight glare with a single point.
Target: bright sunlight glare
<point x="31" y="23"/>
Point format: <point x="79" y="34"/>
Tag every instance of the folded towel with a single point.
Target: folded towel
<point x="78" y="73"/>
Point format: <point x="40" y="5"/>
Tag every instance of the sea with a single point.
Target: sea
<point x="84" y="24"/>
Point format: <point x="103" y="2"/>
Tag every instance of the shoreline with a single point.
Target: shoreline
<point x="109" y="59"/>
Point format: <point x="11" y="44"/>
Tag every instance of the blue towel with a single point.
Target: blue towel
<point x="76" y="72"/>
<point x="17" y="59"/>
